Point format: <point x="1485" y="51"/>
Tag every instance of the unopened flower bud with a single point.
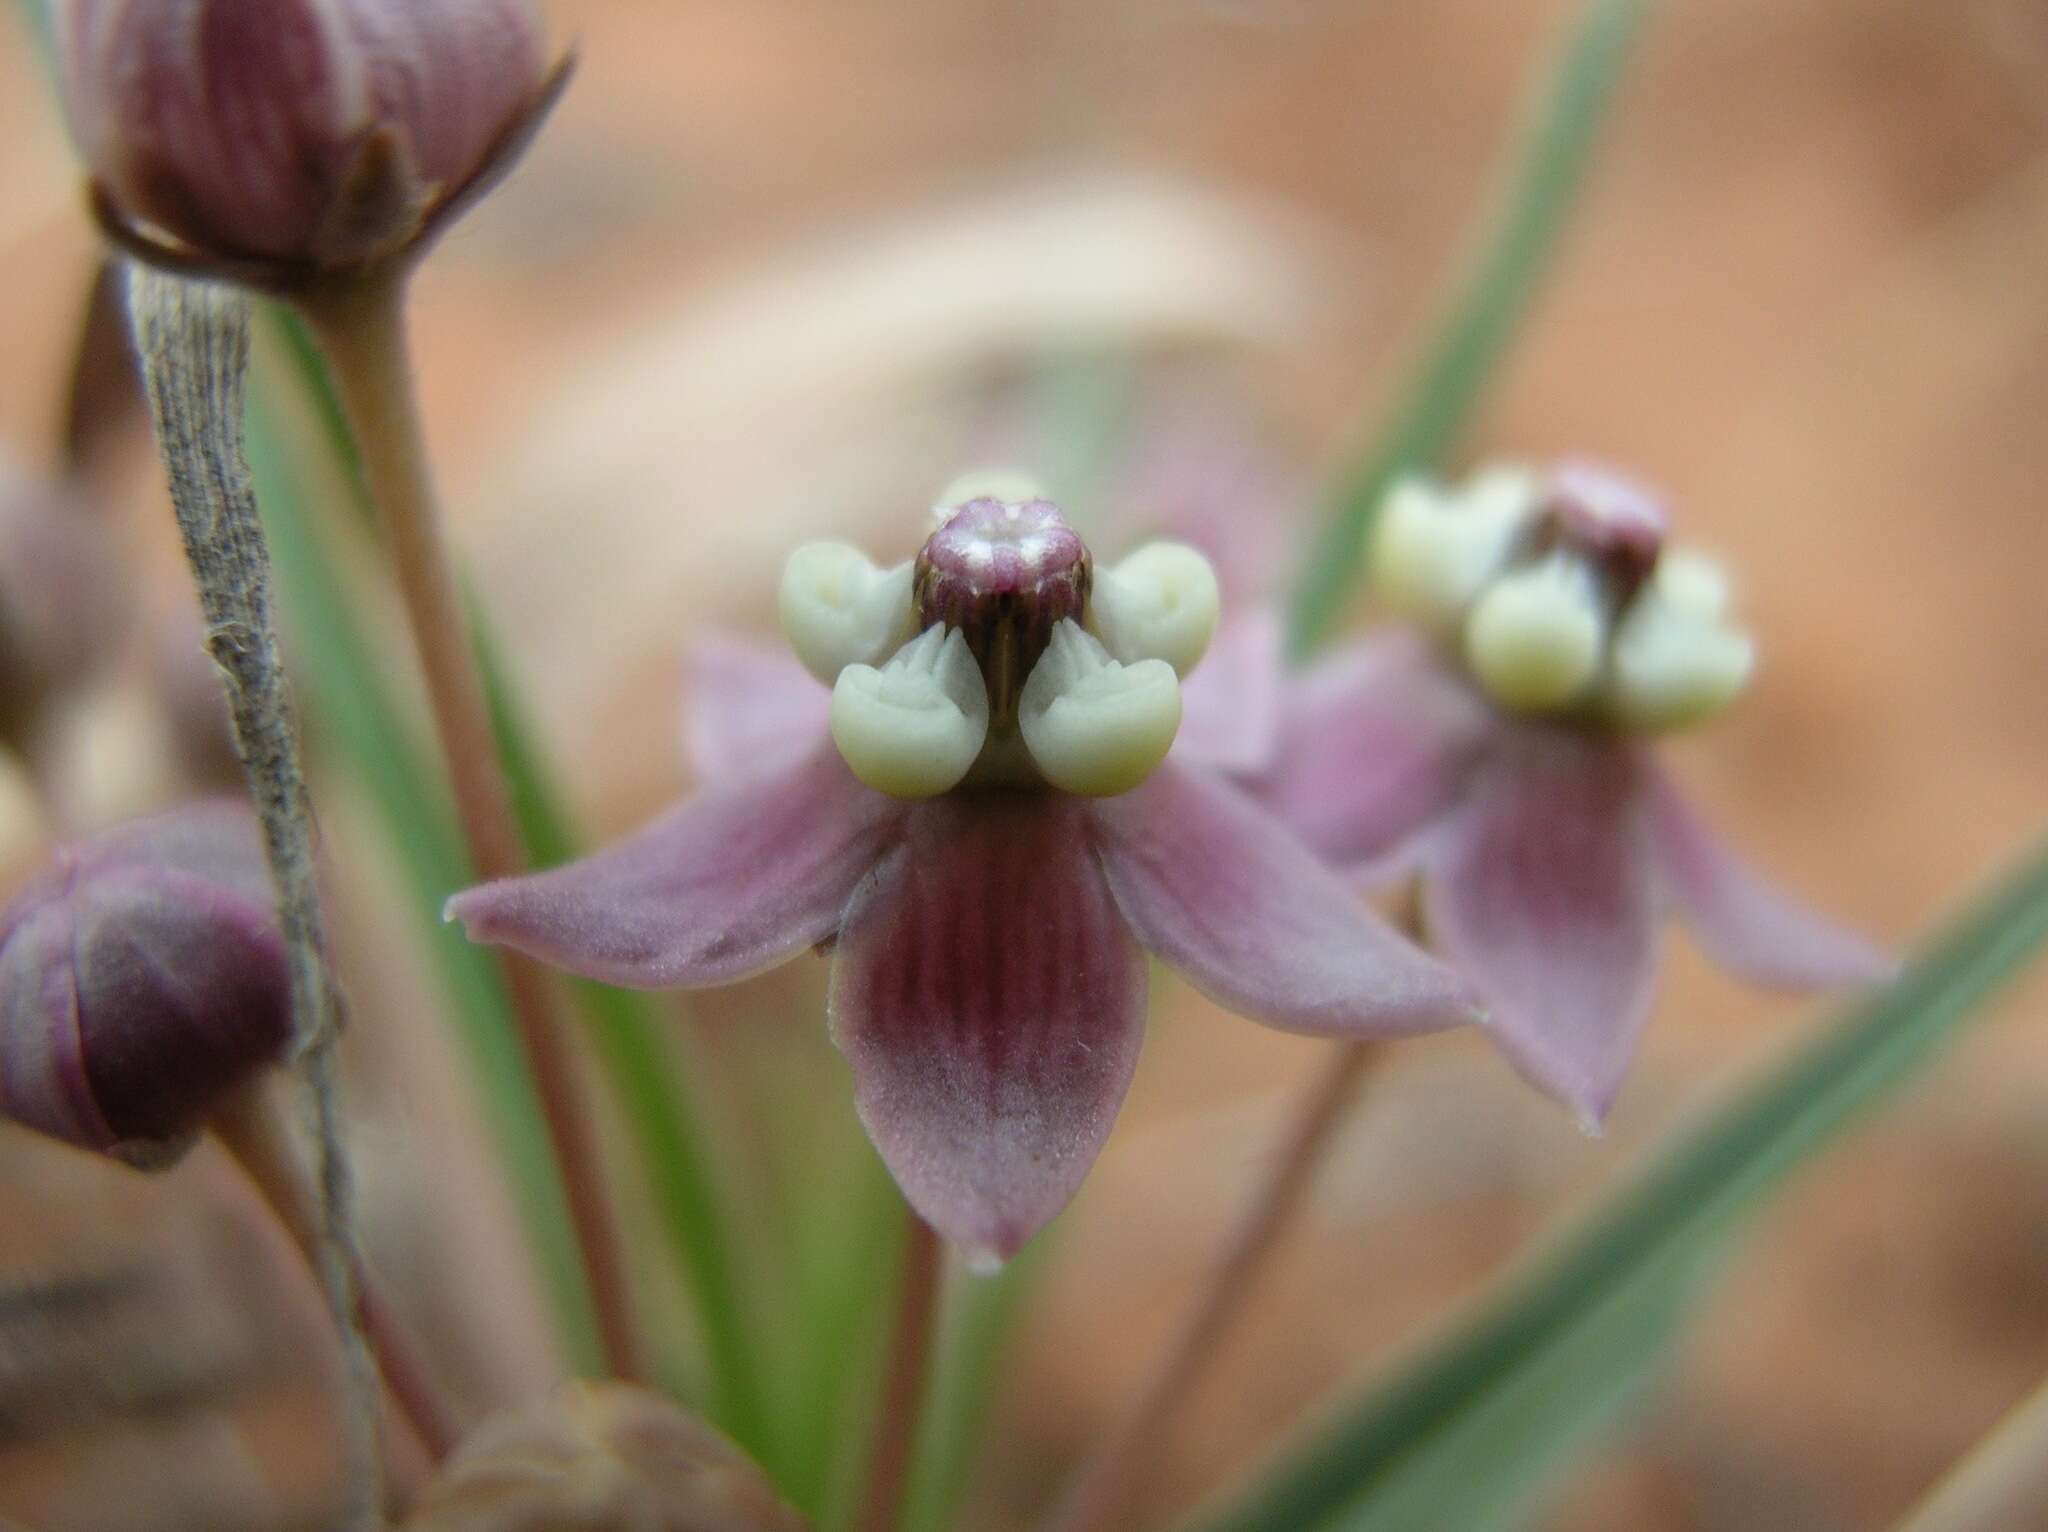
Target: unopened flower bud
<point x="142" y="978"/>
<point x="60" y="599"/>
<point x="314" y="133"/>
<point x="600" y="1457"/>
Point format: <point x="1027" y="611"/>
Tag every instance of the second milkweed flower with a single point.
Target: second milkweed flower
<point x="1498" y="752"/>
<point x="986" y="841"/>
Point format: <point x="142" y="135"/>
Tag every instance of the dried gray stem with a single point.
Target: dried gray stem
<point x="193" y="338"/>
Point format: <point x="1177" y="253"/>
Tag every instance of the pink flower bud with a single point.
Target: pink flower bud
<point x="60" y="598"/>
<point x="323" y="132"/>
<point x="142" y="978"/>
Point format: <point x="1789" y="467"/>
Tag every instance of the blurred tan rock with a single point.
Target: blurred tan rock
<point x="600" y="1457"/>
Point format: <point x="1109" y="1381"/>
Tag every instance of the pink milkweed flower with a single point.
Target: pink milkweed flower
<point x="983" y="827"/>
<point x="1498" y="753"/>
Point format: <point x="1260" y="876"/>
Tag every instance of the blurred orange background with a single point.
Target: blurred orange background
<point x="773" y="269"/>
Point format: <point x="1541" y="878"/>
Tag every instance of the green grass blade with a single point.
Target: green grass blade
<point x="625" y="1027"/>
<point x="1506" y="267"/>
<point x="1469" y="1423"/>
<point x="981" y="1317"/>
<point x="38" y="18"/>
<point x="352" y="709"/>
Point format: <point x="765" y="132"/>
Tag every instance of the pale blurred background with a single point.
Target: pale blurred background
<point x="786" y="266"/>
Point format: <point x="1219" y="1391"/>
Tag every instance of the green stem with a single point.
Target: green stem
<point x="1507" y="263"/>
<point x="903" y="1381"/>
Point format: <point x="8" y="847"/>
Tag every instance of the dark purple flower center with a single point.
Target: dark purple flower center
<point x="1004" y="575"/>
<point x="1611" y="521"/>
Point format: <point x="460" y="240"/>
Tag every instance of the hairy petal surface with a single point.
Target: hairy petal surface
<point x="1230" y="703"/>
<point x="1739" y="919"/>
<point x="1540" y="890"/>
<point x="991" y="1005"/>
<point x="732" y="882"/>
<point x="750" y="709"/>
<point x="1220" y="890"/>
<point x="1378" y="742"/>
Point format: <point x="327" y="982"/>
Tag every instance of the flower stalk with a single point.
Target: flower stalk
<point x="360" y="324"/>
<point x="257" y="1137"/>
<point x="193" y="340"/>
<point x="904" y="1378"/>
<point x="1099" y="1494"/>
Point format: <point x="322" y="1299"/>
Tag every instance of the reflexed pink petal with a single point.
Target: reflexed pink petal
<point x="1540" y="890"/>
<point x="1741" y="921"/>
<point x="991" y="1005"/>
<point x="1377" y="743"/>
<point x="750" y="708"/>
<point x="1230" y="703"/>
<point x="1221" y="891"/>
<point x="730" y="883"/>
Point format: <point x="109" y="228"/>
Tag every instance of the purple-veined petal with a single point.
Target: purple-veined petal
<point x="1230" y="702"/>
<point x="750" y="708"/>
<point x="1377" y="744"/>
<point x="1739" y="919"/>
<point x="730" y="883"/>
<point x="1220" y="890"/>
<point x="991" y="1005"/>
<point x="1540" y="890"/>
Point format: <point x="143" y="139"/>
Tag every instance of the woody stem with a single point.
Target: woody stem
<point x="1098" y="1495"/>
<point x="361" y="327"/>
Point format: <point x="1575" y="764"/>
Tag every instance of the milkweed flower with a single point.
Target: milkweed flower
<point x="1498" y="750"/>
<point x="985" y="829"/>
<point x="142" y="979"/>
<point x="296" y="135"/>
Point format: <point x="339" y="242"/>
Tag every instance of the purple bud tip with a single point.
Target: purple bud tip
<point x="142" y="978"/>
<point x="1005" y="574"/>
<point x="318" y="131"/>
<point x="1612" y="519"/>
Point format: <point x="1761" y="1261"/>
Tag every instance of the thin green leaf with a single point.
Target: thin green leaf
<point x="1465" y="348"/>
<point x="850" y="1256"/>
<point x="37" y="15"/>
<point x="624" y="1026"/>
<point x="352" y="708"/>
<point x="1466" y="1426"/>
<point x="626" y="1029"/>
<point x="981" y="1316"/>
